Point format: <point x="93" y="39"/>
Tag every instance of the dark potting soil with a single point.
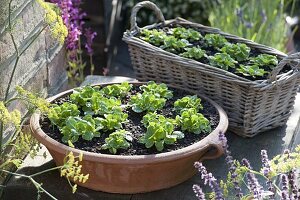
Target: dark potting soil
<point x="210" y="51"/>
<point x="135" y="126"/>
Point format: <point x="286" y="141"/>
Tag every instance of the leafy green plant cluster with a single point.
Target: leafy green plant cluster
<point x="92" y="112"/>
<point x="117" y="140"/>
<point x="222" y="60"/>
<point x="117" y="90"/>
<point x="102" y="111"/>
<point x="215" y="40"/>
<point x="233" y="57"/>
<point x="160" y="131"/>
<point x="153" y="98"/>
<point x="188" y="102"/>
<point x="238" y="51"/>
<point x="188" y="34"/>
<point x="194" y="52"/>
<point x="192" y="121"/>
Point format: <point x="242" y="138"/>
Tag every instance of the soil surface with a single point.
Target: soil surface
<point x="135" y="126"/>
<point x="210" y="51"/>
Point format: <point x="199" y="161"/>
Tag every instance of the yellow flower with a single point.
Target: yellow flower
<point x="55" y="22"/>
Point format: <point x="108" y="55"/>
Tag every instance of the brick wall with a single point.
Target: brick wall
<point x="42" y="67"/>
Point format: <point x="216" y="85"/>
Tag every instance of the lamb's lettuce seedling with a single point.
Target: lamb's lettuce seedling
<point x="154" y="36"/>
<point x="215" y="40"/>
<point x="172" y="44"/>
<point x="265" y="60"/>
<point x="239" y="51"/>
<point x="251" y="70"/>
<point x="82" y="95"/>
<point x="194" y="53"/>
<point x="222" y="60"/>
<point x="86" y="127"/>
<point x="159" y="132"/>
<point x="188" y="102"/>
<point x="188" y="34"/>
<point x="146" y="102"/>
<point x="101" y="105"/>
<point x="117" y="140"/>
<point x="194" y="122"/>
<point x="117" y="90"/>
<point x="59" y="113"/>
<point x="113" y="121"/>
<point x="154" y="117"/>
<point x="159" y="90"/>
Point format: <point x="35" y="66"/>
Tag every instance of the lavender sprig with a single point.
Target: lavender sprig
<point x="253" y="183"/>
<point x="266" y="171"/>
<point x="231" y="165"/>
<point x="284" y="188"/>
<point x="292" y="182"/>
<point x="198" y="192"/>
<point x="210" y="180"/>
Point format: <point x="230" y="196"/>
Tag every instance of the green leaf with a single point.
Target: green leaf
<point x="159" y="145"/>
<point x="222" y="60"/>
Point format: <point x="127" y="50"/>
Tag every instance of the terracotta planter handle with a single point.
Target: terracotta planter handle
<point x="146" y="4"/>
<point x="214" y="148"/>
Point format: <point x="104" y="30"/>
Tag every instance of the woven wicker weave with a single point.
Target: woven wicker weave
<point x="252" y="106"/>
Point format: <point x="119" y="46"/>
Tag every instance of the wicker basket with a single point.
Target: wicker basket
<point x="252" y="106"/>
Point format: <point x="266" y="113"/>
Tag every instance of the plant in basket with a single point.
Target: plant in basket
<point x="130" y="129"/>
<point x="252" y="82"/>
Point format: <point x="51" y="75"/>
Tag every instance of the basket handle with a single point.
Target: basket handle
<point x="292" y="59"/>
<point x="146" y="4"/>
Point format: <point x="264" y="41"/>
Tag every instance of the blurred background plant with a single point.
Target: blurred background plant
<point x="73" y="18"/>
<point x="193" y="10"/>
<point x="263" y="21"/>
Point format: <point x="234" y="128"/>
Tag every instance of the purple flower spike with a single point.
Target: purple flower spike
<point x="231" y="165"/>
<point x="285" y="188"/>
<point x="198" y="192"/>
<point x="210" y="180"/>
<point x="89" y="40"/>
<point x="253" y="183"/>
<point x="266" y="171"/>
<point x="292" y="182"/>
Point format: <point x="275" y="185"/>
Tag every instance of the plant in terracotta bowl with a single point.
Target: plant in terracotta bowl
<point x="135" y="137"/>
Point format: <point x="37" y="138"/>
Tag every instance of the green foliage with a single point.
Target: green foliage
<point x="222" y="60"/>
<point x="82" y="96"/>
<point x="261" y="21"/>
<point x="86" y="127"/>
<point x="251" y="70"/>
<point x="172" y="44"/>
<point x="117" y="140"/>
<point x="114" y="120"/>
<point x="215" y="40"/>
<point x="154" y="36"/>
<point x="188" y="102"/>
<point x="194" y="122"/>
<point x="265" y="60"/>
<point x="187" y="34"/>
<point x="59" y="114"/>
<point x="239" y="51"/>
<point x="146" y="102"/>
<point x="159" y="90"/>
<point x="101" y="105"/>
<point x="117" y="90"/>
<point x="154" y="117"/>
<point x="194" y="52"/>
<point x="92" y="101"/>
<point x="160" y="131"/>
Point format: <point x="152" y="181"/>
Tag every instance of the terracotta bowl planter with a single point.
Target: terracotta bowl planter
<point x="140" y="173"/>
